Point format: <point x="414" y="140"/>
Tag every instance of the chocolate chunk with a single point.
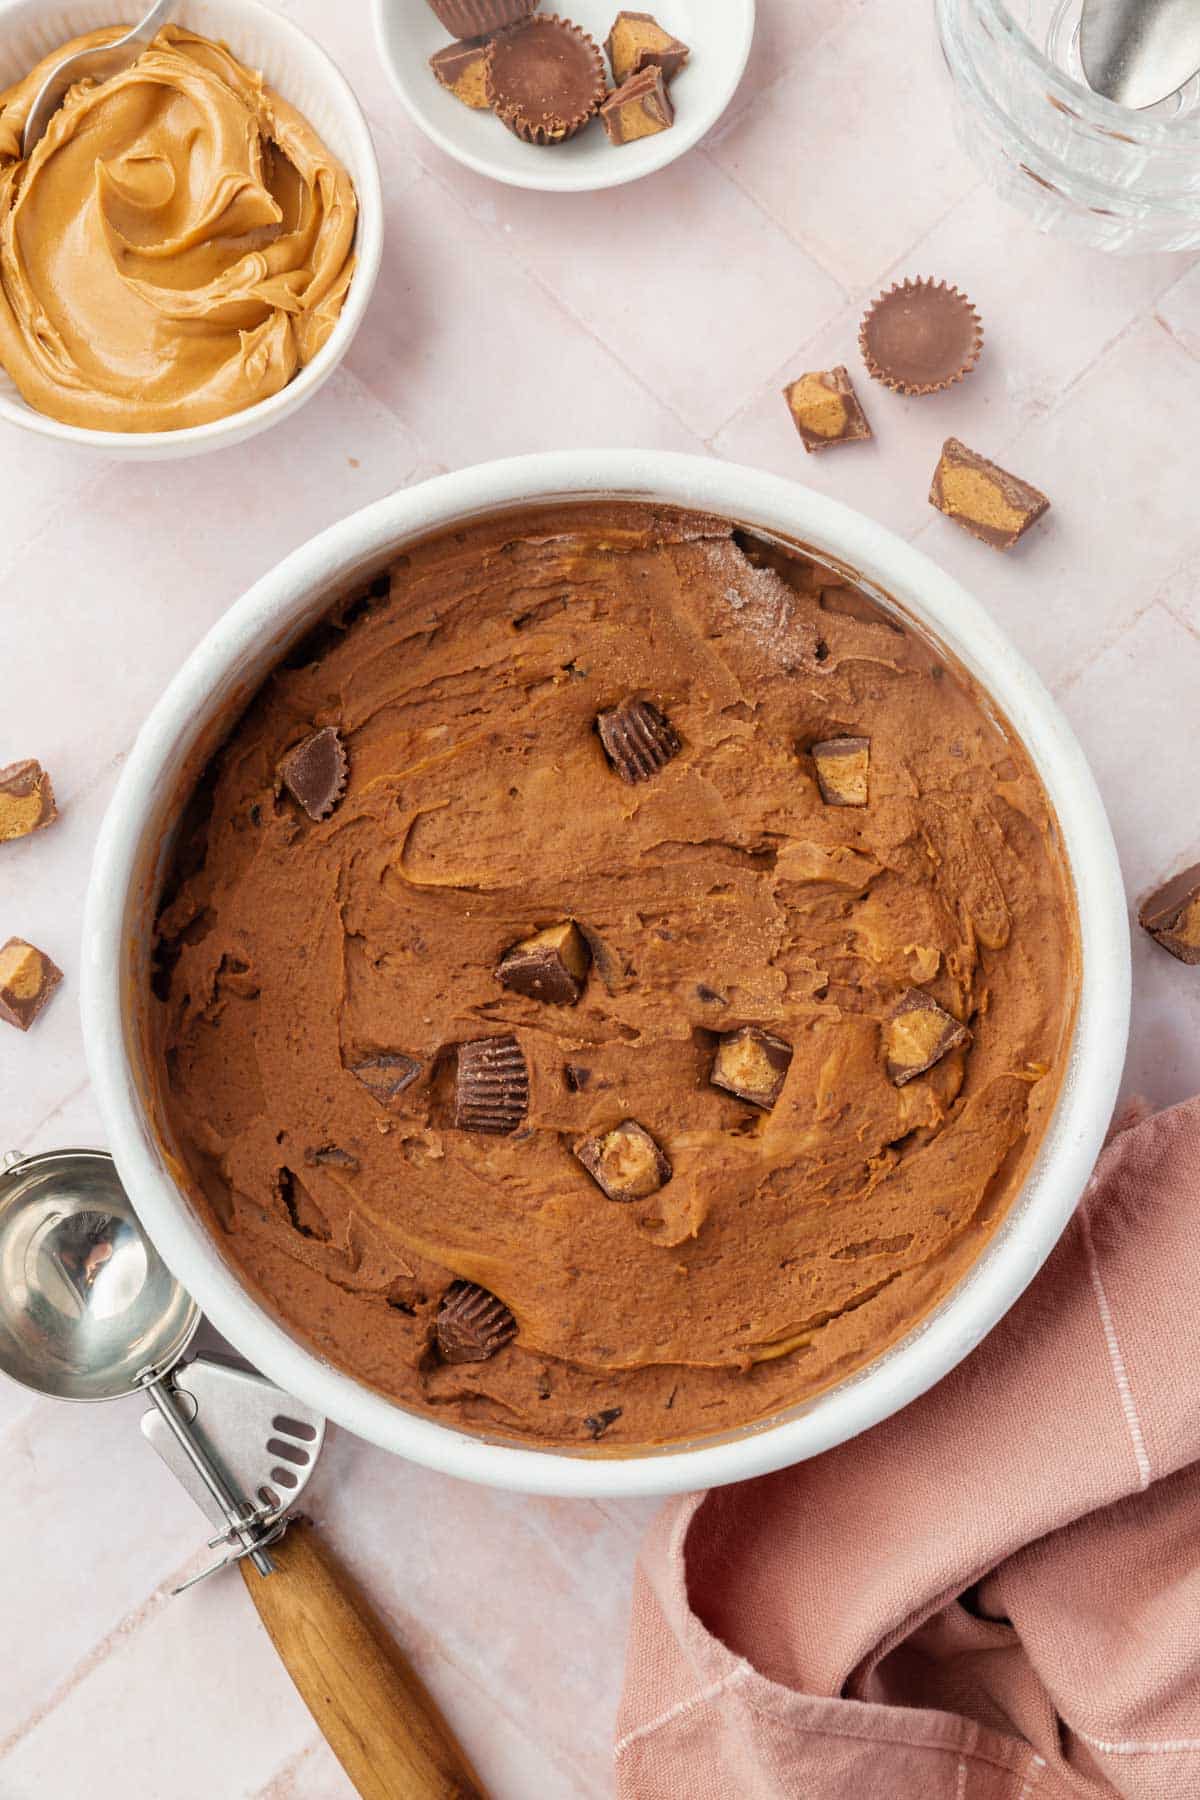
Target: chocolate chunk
<point x="710" y="996"/>
<point x="329" y="1156"/>
<point x="752" y="1064"/>
<point x="920" y="337"/>
<point x="472" y="1324"/>
<point x="637" y="42"/>
<point x="825" y="408"/>
<point x="625" y="1162"/>
<point x="640" y="108"/>
<point x="491" y="1091"/>
<point x="638" y="739"/>
<point x="1172" y="915"/>
<point x="551" y="967"/>
<point x="843" y="766"/>
<point x="26" y="800"/>
<point x="576" y="1076"/>
<point x="545" y="79"/>
<point x="994" y="506"/>
<point x="462" y="70"/>
<point x="314" y="773"/>
<point x="598" y="1423"/>
<point x="918" y="1034"/>
<point x="27" y="982"/>
<point x="386" y="1076"/>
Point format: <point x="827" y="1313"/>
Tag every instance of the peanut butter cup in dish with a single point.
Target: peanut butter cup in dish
<point x="545" y="79"/>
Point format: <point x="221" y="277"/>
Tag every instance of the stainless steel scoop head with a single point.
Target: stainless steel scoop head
<point x="1139" y="52"/>
<point x="86" y="1302"/>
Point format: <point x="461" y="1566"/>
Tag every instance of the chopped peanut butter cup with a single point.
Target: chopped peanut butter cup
<point x="994" y="506"/>
<point x="920" y="336"/>
<point x="637" y="41"/>
<point x="752" y="1064"/>
<point x="825" y="409"/>
<point x="545" y="79"/>
<point x="472" y="1324"/>
<point x="476" y="18"/>
<point x="1172" y="915"/>
<point x="26" y="800"/>
<point x="625" y="1163"/>
<point x="551" y="966"/>
<point x="462" y="71"/>
<point x="843" y="770"/>
<point x="386" y="1076"/>
<point x="918" y="1034"/>
<point x="640" y="108"/>
<point x="491" y="1091"/>
<point x="638" y="740"/>
<point x="28" y="980"/>
<point x="314" y="773"/>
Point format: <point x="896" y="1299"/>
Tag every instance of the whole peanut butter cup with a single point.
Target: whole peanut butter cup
<point x="475" y="18"/>
<point x="545" y="79"/>
<point x="920" y="336"/>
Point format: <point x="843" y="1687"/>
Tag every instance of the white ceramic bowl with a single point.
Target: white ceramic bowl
<point x="191" y="720"/>
<point x="299" y="70"/>
<point x="718" y="33"/>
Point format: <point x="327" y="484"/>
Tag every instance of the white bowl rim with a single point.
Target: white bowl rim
<point x="1068" y="1151"/>
<point x="683" y="136"/>
<point x="240" y="426"/>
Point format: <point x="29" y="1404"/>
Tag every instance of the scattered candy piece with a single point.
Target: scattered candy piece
<point x="26" y="800"/>
<point x="843" y="767"/>
<point x="918" y="1034"/>
<point x="491" y="1091"/>
<point x="462" y="70"/>
<point x="551" y="966"/>
<point x="314" y="773"/>
<point x="1172" y="915"/>
<point x="641" y="107"/>
<point x="994" y="506"/>
<point x="920" y="336"/>
<point x="637" y="41"/>
<point x="752" y="1064"/>
<point x="638" y="739"/>
<point x="472" y="1324"/>
<point x="826" y="409"/>
<point x="625" y="1163"/>
<point x="27" y="982"/>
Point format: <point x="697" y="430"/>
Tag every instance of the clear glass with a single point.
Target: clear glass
<point x="1078" y="165"/>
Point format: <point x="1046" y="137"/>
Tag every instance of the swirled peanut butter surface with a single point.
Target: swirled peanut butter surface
<point x="792" y="1241"/>
<point x="176" y="247"/>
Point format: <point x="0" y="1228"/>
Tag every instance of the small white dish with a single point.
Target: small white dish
<point x="718" y="32"/>
<point x="300" y="71"/>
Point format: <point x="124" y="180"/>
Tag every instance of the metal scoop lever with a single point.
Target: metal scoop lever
<point x="1139" y="52"/>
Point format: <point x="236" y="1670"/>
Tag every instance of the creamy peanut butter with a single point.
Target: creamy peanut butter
<point x="786" y="1105"/>
<point x="176" y="248"/>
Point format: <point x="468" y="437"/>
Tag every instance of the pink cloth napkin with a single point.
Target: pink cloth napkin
<point x="994" y="1595"/>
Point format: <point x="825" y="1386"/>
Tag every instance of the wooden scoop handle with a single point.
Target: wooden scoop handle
<point x="382" y="1726"/>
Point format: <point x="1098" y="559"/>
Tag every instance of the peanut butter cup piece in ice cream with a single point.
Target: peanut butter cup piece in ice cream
<point x="471" y="1324"/>
<point x="551" y="966"/>
<point x="843" y="770"/>
<point x="918" y="1034"/>
<point x="638" y="740"/>
<point x="26" y="800"/>
<point x="545" y="79"/>
<point x="625" y="1163"/>
<point x="491" y="1091"/>
<point x="752" y="1064"/>
<point x="386" y="1076"/>
<point x="314" y="773"/>
<point x="920" y="336"/>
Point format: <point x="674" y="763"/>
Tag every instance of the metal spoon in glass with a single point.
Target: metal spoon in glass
<point x="99" y="64"/>
<point x="1139" y="52"/>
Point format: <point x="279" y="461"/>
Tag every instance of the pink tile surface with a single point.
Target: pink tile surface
<point x="669" y="313"/>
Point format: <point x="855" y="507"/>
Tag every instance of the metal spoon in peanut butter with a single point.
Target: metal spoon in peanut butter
<point x="178" y="245"/>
